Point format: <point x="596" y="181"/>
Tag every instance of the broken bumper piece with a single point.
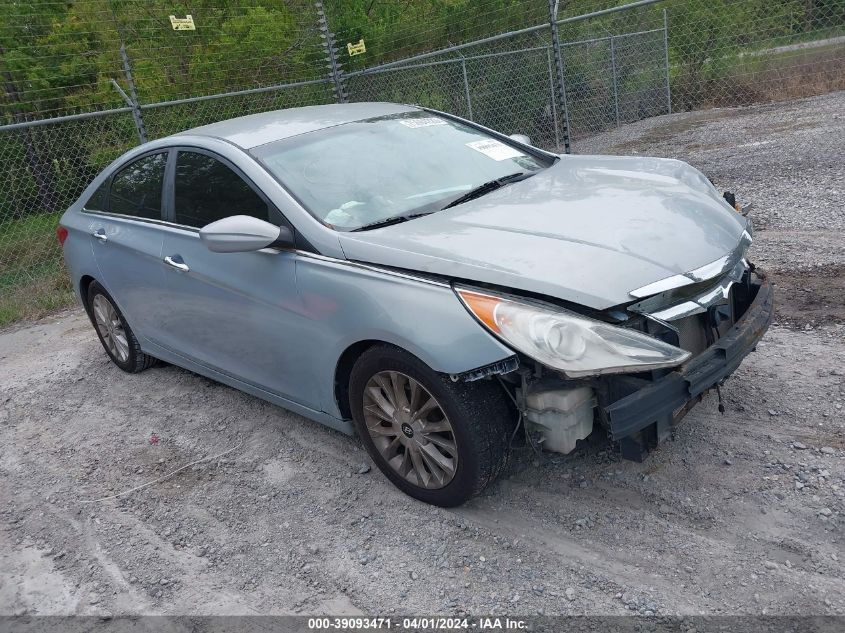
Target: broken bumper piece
<point x="645" y="416"/>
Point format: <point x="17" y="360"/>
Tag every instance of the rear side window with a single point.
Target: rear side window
<point x="136" y="190"/>
<point x="206" y="190"/>
<point x="97" y="202"/>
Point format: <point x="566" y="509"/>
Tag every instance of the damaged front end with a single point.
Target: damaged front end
<point x="714" y="317"/>
<point x="639" y="411"/>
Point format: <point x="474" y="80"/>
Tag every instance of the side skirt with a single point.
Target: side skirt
<point x="344" y="426"/>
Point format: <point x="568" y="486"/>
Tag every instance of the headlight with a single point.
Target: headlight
<point x="563" y="340"/>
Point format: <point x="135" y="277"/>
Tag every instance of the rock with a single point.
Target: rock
<point x="770" y="564"/>
<point x="570" y="593"/>
<point x="414" y="575"/>
<point x="826" y="512"/>
<point x="772" y="412"/>
<point x="799" y="446"/>
<point x="828" y="450"/>
<point x="363" y="469"/>
<point x="728" y="462"/>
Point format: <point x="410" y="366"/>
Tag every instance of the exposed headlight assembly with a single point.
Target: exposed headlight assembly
<point x="567" y="341"/>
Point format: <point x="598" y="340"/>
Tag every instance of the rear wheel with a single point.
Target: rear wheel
<point x="114" y="333"/>
<point x="438" y="441"/>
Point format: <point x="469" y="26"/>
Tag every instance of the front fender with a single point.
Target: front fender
<point x="347" y="303"/>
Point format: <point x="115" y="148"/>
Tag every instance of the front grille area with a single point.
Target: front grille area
<point x="698" y="331"/>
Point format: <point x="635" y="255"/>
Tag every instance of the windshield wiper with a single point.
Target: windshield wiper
<point x="396" y="219"/>
<point x="487" y="187"/>
<point x="477" y="192"/>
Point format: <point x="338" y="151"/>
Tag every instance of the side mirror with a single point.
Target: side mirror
<point x="521" y="138"/>
<point x="243" y="233"/>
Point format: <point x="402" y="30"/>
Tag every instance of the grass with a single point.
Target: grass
<point x="749" y="80"/>
<point x="33" y="280"/>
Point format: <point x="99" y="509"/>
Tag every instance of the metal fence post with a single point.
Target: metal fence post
<point x="331" y="50"/>
<point x="666" y="51"/>
<point x="615" y="80"/>
<point x="561" y="87"/>
<point x="133" y="96"/>
<point x="466" y="86"/>
<point x="552" y="95"/>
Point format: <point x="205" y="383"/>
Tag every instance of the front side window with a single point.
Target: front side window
<point x="206" y="190"/>
<point x="136" y="190"/>
<point x="360" y="173"/>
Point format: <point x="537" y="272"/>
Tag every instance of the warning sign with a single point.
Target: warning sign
<point x="356" y="49"/>
<point x="183" y="24"/>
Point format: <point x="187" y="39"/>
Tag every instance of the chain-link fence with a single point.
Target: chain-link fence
<point x="85" y="80"/>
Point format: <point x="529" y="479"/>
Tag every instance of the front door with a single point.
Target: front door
<point x="237" y="313"/>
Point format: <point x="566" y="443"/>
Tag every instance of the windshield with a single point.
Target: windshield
<point x="365" y="172"/>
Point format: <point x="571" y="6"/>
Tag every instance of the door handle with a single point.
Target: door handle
<point x="176" y="262"/>
<point x="100" y="234"/>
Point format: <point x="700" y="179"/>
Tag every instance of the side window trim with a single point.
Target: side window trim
<point x="272" y="209"/>
<point x="168" y="204"/>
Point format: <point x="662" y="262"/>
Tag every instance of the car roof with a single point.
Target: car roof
<point x="257" y="129"/>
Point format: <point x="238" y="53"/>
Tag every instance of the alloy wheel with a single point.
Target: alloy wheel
<point x="110" y="328"/>
<point x="410" y="429"/>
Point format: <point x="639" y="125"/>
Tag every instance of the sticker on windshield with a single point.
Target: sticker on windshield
<point x="422" y="121"/>
<point x="495" y="149"/>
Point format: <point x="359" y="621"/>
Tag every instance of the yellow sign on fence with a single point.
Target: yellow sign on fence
<point x="356" y="49"/>
<point x="183" y="24"/>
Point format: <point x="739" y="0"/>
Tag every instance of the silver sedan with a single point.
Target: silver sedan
<point x="437" y="287"/>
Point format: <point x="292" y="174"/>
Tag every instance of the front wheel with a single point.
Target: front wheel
<point x="438" y="441"/>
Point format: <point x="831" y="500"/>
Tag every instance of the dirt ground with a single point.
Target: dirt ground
<point x="742" y="513"/>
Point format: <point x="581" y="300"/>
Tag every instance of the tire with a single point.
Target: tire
<point x="456" y="464"/>
<point x="114" y="333"/>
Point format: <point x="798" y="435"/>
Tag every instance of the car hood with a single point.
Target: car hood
<point x="589" y="229"/>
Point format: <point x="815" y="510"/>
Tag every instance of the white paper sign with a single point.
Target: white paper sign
<point x="495" y="149"/>
<point x="422" y="122"/>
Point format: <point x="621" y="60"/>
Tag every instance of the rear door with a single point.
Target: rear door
<point x="237" y="313"/>
<point x="125" y="226"/>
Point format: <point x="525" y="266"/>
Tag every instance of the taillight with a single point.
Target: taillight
<point x="61" y="233"/>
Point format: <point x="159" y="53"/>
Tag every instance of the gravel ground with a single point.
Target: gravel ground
<point x="742" y="513"/>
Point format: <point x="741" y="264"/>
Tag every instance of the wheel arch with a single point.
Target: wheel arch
<point x="84" y="283"/>
<point x="343" y="372"/>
